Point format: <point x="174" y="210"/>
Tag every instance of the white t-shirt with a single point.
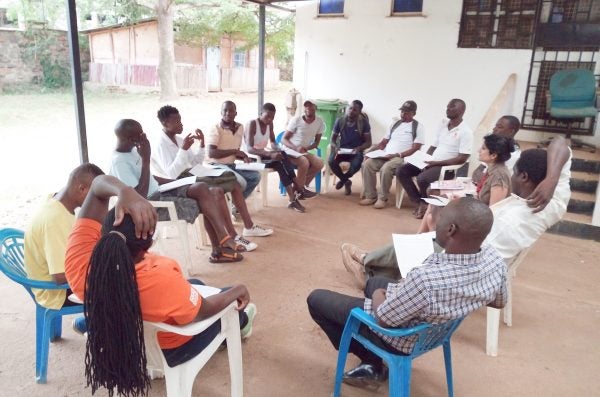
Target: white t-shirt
<point x="401" y="138"/>
<point x="303" y="134"/>
<point x="451" y="143"/>
<point x="168" y="160"/>
<point x="128" y="168"/>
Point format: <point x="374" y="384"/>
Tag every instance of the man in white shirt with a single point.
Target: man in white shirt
<point x="405" y="137"/>
<point x="453" y="145"/>
<point x="302" y="134"/>
<point x="541" y="193"/>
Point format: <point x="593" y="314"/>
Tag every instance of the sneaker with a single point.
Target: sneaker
<point x="366" y="375"/>
<point x="248" y="245"/>
<point x="348" y="188"/>
<point x="307" y="194"/>
<point x="367" y="201"/>
<point x="79" y="325"/>
<point x="250" y="311"/>
<point x="339" y="185"/>
<point x="380" y="204"/>
<point x="257" y="231"/>
<point x="296" y="206"/>
<point x="353" y="265"/>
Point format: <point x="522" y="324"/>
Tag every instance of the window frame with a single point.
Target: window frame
<point x="404" y="13"/>
<point x="238" y="52"/>
<point x="330" y="14"/>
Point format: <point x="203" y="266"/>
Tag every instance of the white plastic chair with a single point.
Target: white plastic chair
<point x="263" y="187"/>
<point x="493" y="315"/>
<point x="179" y="380"/>
<point x="445" y="168"/>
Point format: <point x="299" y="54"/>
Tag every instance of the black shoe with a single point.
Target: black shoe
<point x="296" y="206"/>
<point x="348" y="187"/>
<point x="306" y="194"/>
<point x="365" y="375"/>
<point x="339" y="185"/>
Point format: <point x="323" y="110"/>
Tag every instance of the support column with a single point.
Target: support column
<point x="261" y="57"/>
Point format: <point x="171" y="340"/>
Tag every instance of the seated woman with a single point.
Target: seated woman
<point x="494" y="184"/>
<point x="258" y="134"/>
<point x="108" y="265"/>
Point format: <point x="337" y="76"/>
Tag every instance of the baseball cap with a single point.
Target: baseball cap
<point x="309" y="102"/>
<point x="410" y="106"/>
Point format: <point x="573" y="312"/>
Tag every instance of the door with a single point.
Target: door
<point x="213" y="69"/>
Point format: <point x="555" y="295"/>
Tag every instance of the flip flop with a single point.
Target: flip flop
<point x="227" y="255"/>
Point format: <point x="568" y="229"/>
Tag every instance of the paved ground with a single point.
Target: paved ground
<point x="551" y="350"/>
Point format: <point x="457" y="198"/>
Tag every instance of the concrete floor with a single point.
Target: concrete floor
<point x="552" y="349"/>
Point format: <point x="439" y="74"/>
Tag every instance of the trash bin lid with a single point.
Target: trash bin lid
<point x="330" y="104"/>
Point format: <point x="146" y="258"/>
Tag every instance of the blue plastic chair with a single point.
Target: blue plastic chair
<point x="317" y="177"/>
<point x="572" y="94"/>
<point x="48" y="322"/>
<point x="429" y="337"/>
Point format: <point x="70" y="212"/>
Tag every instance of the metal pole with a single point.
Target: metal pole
<point x="261" y="57"/>
<point x="76" y="80"/>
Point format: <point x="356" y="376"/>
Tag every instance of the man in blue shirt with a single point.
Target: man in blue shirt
<point x="354" y="134"/>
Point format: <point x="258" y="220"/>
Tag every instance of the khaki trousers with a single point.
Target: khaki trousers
<point x="387" y="171"/>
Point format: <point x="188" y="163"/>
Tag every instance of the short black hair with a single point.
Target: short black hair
<point x="164" y="112"/>
<point x="534" y="163"/>
<point x="501" y="146"/>
<point x="358" y="103"/>
<point x="268" y="107"/>
<point x="514" y="122"/>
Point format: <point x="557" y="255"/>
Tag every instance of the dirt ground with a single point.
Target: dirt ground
<point x="552" y="348"/>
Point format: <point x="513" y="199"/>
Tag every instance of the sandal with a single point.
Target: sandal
<point x="419" y="212"/>
<point x="225" y="254"/>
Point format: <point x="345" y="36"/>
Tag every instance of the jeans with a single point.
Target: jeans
<point x="330" y="310"/>
<point x="355" y="164"/>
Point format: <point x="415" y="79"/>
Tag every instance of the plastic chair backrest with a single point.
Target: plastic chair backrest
<point x="434" y="335"/>
<point x="575" y="86"/>
<point x="12" y="259"/>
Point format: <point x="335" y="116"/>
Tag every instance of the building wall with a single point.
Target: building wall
<point x="385" y="60"/>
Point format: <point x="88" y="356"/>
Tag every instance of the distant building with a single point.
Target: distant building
<point x="128" y="55"/>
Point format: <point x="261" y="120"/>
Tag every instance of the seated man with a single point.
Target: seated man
<point x="405" y="137"/>
<point x="540" y="181"/>
<point x="259" y="134"/>
<point x="453" y="145"/>
<point x="122" y="284"/>
<point x="46" y="239"/>
<point x="224" y="143"/>
<point x="302" y="134"/>
<point x="449" y="286"/>
<point x="171" y="158"/>
<point x="132" y="167"/>
<point x="354" y="133"/>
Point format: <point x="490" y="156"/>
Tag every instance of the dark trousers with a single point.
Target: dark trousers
<point x="194" y="346"/>
<point x="355" y="161"/>
<point x="284" y="168"/>
<point x="330" y="311"/>
<point x="424" y="179"/>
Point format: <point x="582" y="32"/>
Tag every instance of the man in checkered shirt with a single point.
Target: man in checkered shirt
<point x="450" y="285"/>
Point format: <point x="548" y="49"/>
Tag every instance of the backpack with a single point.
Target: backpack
<point x="360" y="122"/>
<point x="415" y="125"/>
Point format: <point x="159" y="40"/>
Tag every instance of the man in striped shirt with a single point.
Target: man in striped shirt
<point x="449" y="285"/>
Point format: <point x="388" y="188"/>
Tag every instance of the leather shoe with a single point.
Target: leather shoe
<point x="365" y="375"/>
<point x="339" y="185"/>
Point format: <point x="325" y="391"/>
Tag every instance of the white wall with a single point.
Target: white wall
<point x="385" y="60"/>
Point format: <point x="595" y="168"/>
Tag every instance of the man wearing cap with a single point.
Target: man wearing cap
<point x="405" y="137"/>
<point x="302" y="134"/>
<point x="354" y="133"/>
<point x="452" y="146"/>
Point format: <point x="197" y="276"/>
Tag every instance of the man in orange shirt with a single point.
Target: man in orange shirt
<point x="122" y="284"/>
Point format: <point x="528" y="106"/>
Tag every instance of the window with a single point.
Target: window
<point x="403" y="6"/>
<point x="331" y="7"/>
<point x="239" y="58"/>
<point x="497" y="23"/>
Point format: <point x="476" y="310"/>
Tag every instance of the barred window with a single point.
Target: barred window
<point x="239" y="58"/>
<point x="497" y="23"/>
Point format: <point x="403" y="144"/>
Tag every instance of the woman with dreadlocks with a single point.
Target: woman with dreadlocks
<point x="122" y="285"/>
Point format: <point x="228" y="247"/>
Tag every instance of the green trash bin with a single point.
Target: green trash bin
<point x="329" y="111"/>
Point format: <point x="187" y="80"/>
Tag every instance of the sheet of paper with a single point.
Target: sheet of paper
<point x="205" y="290"/>
<point x="201" y="170"/>
<point x="418" y="159"/>
<point x="412" y="250"/>
<point x="177" y="183"/>
<point x="438" y="201"/>
<point x="345" y="151"/>
<point x="250" y="166"/>
<point x="447" y="185"/>
<point x="292" y="152"/>
<point x="375" y="154"/>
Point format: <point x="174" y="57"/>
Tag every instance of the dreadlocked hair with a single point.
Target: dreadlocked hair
<point x="115" y="356"/>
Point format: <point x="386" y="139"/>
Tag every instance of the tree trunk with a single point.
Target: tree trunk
<point x="166" y="54"/>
